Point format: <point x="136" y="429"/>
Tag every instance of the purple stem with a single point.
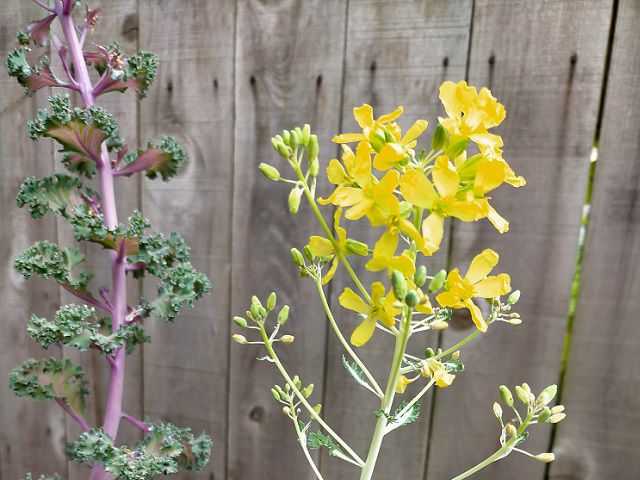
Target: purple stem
<point x="90" y="300"/>
<point x="134" y="421"/>
<point x="113" y="410"/>
<point x="78" y="418"/>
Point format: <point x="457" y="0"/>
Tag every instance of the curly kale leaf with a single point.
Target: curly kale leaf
<point x="47" y="260"/>
<point x="158" y="253"/>
<point x="31" y="77"/>
<point x="51" y="378"/>
<point x="163" y="451"/>
<point x="89" y="226"/>
<point x="72" y="325"/>
<point x="79" y="131"/>
<point x="178" y="286"/>
<point x="55" y="476"/>
<point x="55" y="194"/>
<point x="164" y="160"/>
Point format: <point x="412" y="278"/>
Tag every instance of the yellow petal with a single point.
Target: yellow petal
<point x="402" y="384"/>
<point x="349" y="138"/>
<point x="377" y="263"/>
<point x="476" y="315"/>
<point x="417" y="189"/>
<point x="448" y="299"/>
<point x="320" y="246"/>
<point x="390" y="154"/>
<point x="415" y="131"/>
<point x="501" y="224"/>
<point x="404" y="264"/>
<point x="467" y="211"/>
<point x="386" y="245"/>
<point x="363" y="332"/>
<point x="364" y="116"/>
<point x="351" y="300"/>
<point x="332" y="271"/>
<point x="492" y="287"/>
<point x="336" y="173"/>
<point x="489" y="175"/>
<point x="432" y="232"/>
<point x="445" y="177"/>
<point x="361" y="170"/>
<point x="388" y="183"/>
<point x="345" y="196"/>
<point x="443" y="378"/>
<point x="377" y="292"/>
<point x="481" y="265"/>
<point x="390" y="117"/>
<point x="456" y="97"/>
<point x="359" y="209"/>
<point x="494" y="111"/>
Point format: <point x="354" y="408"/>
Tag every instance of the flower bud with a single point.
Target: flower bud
<point x="439" y="138"/>
<point x="307" y="391"/>
<point x="294" y="199"/>
<point x="526" y="387"/>
<point x="399" y="284"/>
<point x="455" y="355"/>
<point x="511" y="430"/>
<point x="357" y="248"/>
<point x="497" y="410"/>
<point x="283" y="150"/>
<point x="388" y="137"/>
<point x="377" y="140"/>
<point x="456" y="148"/>
<point x="286" y="410"/>
<point x="544" y="415"/>
<point x="287" y="339"/>
<point x="297" y="257"/>
<point x="294" y="138"/>
<point x="241" y="339"/>
<point x="271" y="301"/>
<point x="307" y="253"/>
<point x="286" y="137"/>
<point x="557" y="409"/>
<point x="437" y="282"/>
<point x="514" y="297"/>
<point x="270" y="172"/>
<point x="420" y="276"/>
<point x="514" y="321"/>
<point x="317" y="409"/>
<point x="283" y="316"/>
<point x="241" y="322"/>
<point x="306" y="134"/>
<point x="275" y="394"/>
<point x="314" y="167"/>
<point x="522" y="394"/>
<point x="255" y="307"/>
<point x="275" y="142"/>
<point x="557" y="417"/>
<point x="428" y="353"/>
<point x="505" y="395"/>
<point x="439" y="325"/>
<point x="297" y="382"/>
<point x="550" y="393"/>
<point x="545" y="457"/>
<point x="313" y="148"/>
<point x="411" y="299"/>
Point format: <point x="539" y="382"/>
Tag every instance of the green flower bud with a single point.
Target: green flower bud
<point x="256" y="306"/>
<point x="469" y="167"/>
<point x="307" y="391"/>
<point x="557" y="409"/>
<point x="357" y="248"/>
<point x="545" y="457"/>
<point x="549" y="393"/>
<point x="497" y="410"/>
<point x="287" y="339"/>
<point x="270" y="172"/>
<point x="283" y="316"/>
<point x="275" y="394"/>
<point x="388" y="137"/>
<point x="241" y="322"/>
<point x="317" y="409"/>
<point x="274" y="143"/>
<point x="306" y="134"/>
<point x="297" y="257"/>
<point x="271" y="301"/>
<point x="283" y="150"/>
<point x="455" y="355"/>
<point x="437" y="282"/>
<point x="241" y="339"/>
<point x="411" y="299"/>
<point x="314" y="167"/>
<point x="420" y="276"/>
<point x="505" y="395"/>
<point x="313" y="148"/>
<point x="307" y="253"/>
<point x="294" y="199"/>
<point x="297" y="382"/>
<point x="294" y="139"/>
<point x="544" y="415"/>
<point x="428" y="353"/>
<point x="456" y="148"/>
<point x="286" y="137"/>
<point x="557" y="417"/>
<point x="377" y="140"/>
<point x="399" y="284"/>
<point x="439" y="137"/>
<point x="514" y="297"/>
<point x="522" y="394"/>
<point x="511" y="430"/>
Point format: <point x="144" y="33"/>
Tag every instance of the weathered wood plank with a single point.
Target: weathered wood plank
<point x="398" y="53"/>
<point x="186" y="368"/>
<point x="598" y="439"/>
<point x="32" y="433"/>
<point x="289" y="72"/>
<point x="545" y="62"/>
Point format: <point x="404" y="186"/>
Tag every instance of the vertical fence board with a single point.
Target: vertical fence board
<point x="398" y="53"/>
<point x="289" y="71"/>
<point x="601" y="385"/>
<point x="545" y="62"/>
<point x="185" y="367"/>
<point x="32" y="432"/>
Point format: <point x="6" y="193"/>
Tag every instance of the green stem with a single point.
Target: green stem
<point x="303" y="443"/>
<point x="387" y="401"/>
<point x="303" y="400"/>
<point x="497" y="455"/>
<point x="344" y="341"/>
<point x="327" y="231"/>
<point x="420" y="394"/>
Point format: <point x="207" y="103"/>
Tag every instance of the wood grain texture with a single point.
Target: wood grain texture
<point x="544" y="60"/>
<point x="601" y="383"/>
<point x="32" y="433"/>
<point x="288" y="72"/>
<point x="185" y="367"/>
<point x="398" y="53"/>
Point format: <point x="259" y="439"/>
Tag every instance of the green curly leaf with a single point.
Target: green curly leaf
<point x="164" y="160"/>
<point x="31" y="77"/>
<point x="55" y="194"/>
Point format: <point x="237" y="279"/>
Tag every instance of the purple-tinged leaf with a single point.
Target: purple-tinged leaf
<point x="79" y="137"/>
<point x="164" y="160"/>
<point x="39" y="30"/>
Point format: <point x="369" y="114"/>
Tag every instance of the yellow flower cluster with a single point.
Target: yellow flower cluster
<point x="410" y="194"/>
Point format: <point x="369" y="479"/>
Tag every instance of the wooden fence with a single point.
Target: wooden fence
<point x="234" y="73"/>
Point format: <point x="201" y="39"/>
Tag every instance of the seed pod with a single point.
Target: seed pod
<point x="306" y="134"/>
<point x="283" y="316"/>
<point x="505" y="395"/>
<point x="270" y="172"/>
<point x="420" y="276"/>
<point x="399" y="284"/>
<point x="287" y="339"/>
<point x="437" y="282"/>
<point x="439" y="138"/>
<point x="313" y="148"/>
<point x="241" y="322"/>
<point x="271" y="301"/>
<point x="294" y="199"/>
<point x="297" y="257"/>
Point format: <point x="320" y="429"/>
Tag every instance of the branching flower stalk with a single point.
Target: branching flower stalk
<point x="406" y="193"/>
<point x="91" y="146"/>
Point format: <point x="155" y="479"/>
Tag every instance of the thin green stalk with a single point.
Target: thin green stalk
<point x="329" y="233"/>
<point x="387" y="401"/>
<point x="344" y="341"/>
<point x="303" y="400"/>
<point x="448" y="351"/>
<point x="302" y="438"/>
<point x="420" y="394"/>
<point x="497" y="455"/>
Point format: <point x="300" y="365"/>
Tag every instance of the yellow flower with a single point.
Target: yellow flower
<point x="322" y="247"/>
<point x="432" y="368"/>
<point x="404" y="382"/>
<point x="397" y="150"/>
<point x="364" y="117"/>
<point x="440" y="199"/>
<point x="458" y="291"/>
<point x="380" y="309"/>
<point x="356" y="171"/>
<point x="470" y="113"/>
